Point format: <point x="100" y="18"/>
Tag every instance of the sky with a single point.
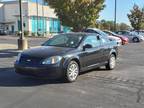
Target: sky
<point x="123" y="8"/>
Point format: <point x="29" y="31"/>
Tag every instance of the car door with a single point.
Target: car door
<point x="91" y="56"/>
<point x="106" y="48"/>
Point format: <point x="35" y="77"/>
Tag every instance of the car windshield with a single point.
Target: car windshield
<point x="64" y="40"/>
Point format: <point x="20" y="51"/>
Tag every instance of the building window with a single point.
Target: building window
<point x="38" y="25"/>
<point x="55" y="26"/>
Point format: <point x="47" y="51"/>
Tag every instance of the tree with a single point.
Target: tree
<point x="109" y="25"/>
<point x="123" y="26"/>
<point x="136" y="17"/>
<point x="105" y="25"/>
<point x="78" y="14"/>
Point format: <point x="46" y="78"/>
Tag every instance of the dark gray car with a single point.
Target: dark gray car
<point x="66" y="55"/>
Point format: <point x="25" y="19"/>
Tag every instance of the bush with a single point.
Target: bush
<point x="34" y="34"/>
<point x="26" y="33"/>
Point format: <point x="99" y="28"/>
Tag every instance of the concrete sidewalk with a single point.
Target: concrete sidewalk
<point x="7" y="46"/>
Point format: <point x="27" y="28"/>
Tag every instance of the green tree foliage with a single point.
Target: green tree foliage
<point x="123" y="26"/>
<point x="78" y="14"/>
<point x="109" y="25"/>
<point x="136" y="17"/>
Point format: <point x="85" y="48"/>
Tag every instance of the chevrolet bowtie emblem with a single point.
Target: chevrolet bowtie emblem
<point x="28" y="60"/>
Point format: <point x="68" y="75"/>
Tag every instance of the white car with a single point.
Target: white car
<point x="95" y="30"/>
<point x="117" y="39"/>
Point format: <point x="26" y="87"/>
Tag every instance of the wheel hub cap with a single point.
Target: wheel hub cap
<point x="73" y="71"/>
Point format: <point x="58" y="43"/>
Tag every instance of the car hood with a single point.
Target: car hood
<point x="46" y="51"/>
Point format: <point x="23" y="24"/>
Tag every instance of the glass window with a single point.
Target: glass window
<point x="105" y="40"/>
<point x="64" y="40"/>
<point x="92" y="40"/>
<point x="91" y="31"/>
<point x="120" y="33"/>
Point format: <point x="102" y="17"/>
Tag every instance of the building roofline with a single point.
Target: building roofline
<point x="12" y="2"/>
<point x="16" y="2"/>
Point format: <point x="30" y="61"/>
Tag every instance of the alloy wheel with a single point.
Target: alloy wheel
<point x="72" y="71"/>
<point x="112" y="62"/>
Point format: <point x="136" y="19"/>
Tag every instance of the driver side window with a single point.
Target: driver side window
<point x="92" y="40"/>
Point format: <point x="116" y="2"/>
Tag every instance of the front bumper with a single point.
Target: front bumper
<point x="50" y="71"/>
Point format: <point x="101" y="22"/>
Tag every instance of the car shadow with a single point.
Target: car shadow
<point x="8" y="78"/>
<point x="8" y="53"/>
<point x="101" y="69"/>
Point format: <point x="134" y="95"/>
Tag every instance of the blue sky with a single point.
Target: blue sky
<point x="123" y="7"/>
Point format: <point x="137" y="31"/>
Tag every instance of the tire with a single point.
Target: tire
<point x="111" y="62"/>
<point x="135" y="39"/>
<point x="72" y="71"/>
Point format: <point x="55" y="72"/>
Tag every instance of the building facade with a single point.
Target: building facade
<point x="37" y="18"/>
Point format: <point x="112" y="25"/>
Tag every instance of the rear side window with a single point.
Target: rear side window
<point x="120" y="33"/>
<point x="92" y="40"/>
<point x="105" y="40"/>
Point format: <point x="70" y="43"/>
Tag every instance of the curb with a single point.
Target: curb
<point x="7" y="46"/>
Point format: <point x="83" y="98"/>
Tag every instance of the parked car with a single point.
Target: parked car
<point x="131" y="36"/>
<point x="97" y="31"/>
<point x="66" y="55"/>
<point x="140" y="32"/>
<point x="3" y="32"/>
<point x="124" y="39"/>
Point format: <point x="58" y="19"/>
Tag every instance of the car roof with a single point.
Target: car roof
<point x="79" y="33"/>
<point x="93" y="29"/>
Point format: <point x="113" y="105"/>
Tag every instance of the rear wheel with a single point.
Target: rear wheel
<point x="111" y="62"/>
<point x="135" y="39"/>
<point x="72" y="71"/>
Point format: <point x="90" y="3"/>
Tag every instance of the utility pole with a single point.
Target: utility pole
<point x="43" y="3"/>
<point x="22" y="42"/>
<point x="37" y="17"/>
<point x="115" y="16"/>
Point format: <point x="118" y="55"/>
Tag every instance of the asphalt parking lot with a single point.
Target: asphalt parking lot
<point x="120" y="88"/>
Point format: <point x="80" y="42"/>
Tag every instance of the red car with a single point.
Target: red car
<point x="124" y="39"/>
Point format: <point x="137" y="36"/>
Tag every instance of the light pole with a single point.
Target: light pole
<point x="43" y="3"/>
<point x="22" y="42"/>
<point x="115" y="16"/>
<point x="37" y="18"/>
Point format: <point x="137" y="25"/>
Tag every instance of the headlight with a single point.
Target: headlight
<point x="18" y="57"/>
<point x="52" y="60"/>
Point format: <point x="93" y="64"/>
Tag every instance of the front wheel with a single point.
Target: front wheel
<point x="111" y="62"/>
<point x="72" y="71"/>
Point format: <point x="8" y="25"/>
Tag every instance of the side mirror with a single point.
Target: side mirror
<point x="98" y="37"/>
<point x="87" y="46"/>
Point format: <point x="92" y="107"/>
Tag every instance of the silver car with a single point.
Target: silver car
<point x="131" y="36"/>
<point x="141" y="32"/>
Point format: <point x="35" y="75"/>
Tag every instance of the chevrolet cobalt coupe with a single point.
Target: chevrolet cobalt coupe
<point x="66" y="55"/>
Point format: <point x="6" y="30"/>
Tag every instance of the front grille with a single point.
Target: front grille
<point x="30" y="60"/>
